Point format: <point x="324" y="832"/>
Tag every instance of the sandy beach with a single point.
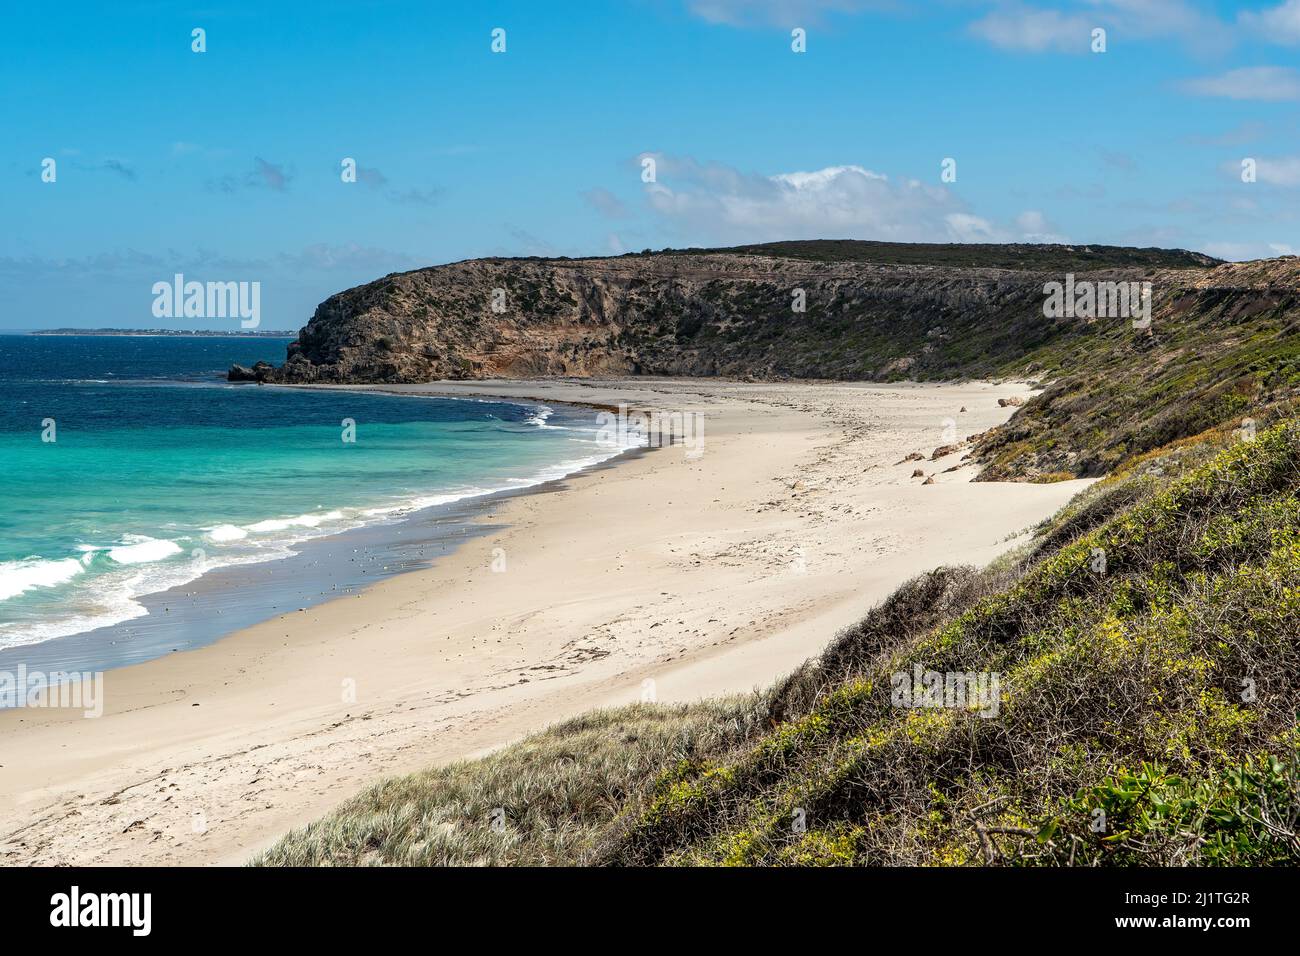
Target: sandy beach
<point x="666" y="574"/>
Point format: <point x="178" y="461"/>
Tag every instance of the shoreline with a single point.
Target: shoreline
<point x="405" y="545"/>
<point x="229" y="598"/>
<point x="710" y="576"/>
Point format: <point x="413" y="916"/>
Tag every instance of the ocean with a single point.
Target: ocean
<point x="131" y="469"/>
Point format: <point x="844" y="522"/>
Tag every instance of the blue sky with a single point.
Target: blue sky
<point x="225" y="165"/>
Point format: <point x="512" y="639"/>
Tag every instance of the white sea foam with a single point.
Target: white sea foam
<point x="18" y="577"/>
<point x="141" y="549"/>
<point x="226" y="532"/>
<point x="312" y="519"/>
<point x="540" y="415"/>
<point x="112" y="597"/>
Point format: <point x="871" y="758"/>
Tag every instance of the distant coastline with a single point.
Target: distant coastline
<point x="180" y="333"/>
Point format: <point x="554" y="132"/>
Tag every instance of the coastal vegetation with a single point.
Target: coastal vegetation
<point x="1145" y="645"/>
<point x="971" y="255"/>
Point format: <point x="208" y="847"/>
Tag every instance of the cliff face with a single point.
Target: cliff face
<point x="677" y="314"/>
<point x="1222" y="344"/>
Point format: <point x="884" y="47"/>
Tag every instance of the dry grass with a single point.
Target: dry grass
<point x="552" y="793"/>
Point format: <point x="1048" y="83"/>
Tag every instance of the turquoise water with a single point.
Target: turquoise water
<point x="158" y="472"/>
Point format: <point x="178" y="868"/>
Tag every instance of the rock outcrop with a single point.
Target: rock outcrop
<point x="260" y="372"/>
<point x="708" y="313"/>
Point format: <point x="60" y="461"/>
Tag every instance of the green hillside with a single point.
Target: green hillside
<point x="1218" y="355"/>
<point x="1145" y="713"/>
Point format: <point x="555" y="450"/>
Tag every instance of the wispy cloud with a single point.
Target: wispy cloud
<point x="263" y="175"/>
<point x="1034" y="31"/>
<point x="79" y="267"/>
<point x="128" y="263"/>
<point x="272" y="175"/>
<point x="1243" y="251"/>
<point x="1238" y="135"/>
<point x="1035" y="227"/>
<point x="119" y="167"/>
<point x="1040" y="26"/>
<point x="1280" y="24"/>
<point x="606" y="203"/>
<point x="1249" y="83"/>
<point x="347" y="257"/>
<point x="529" y="244"/>
<point x="785" y="13"/>
<point x="415" y="197"/>
<point x="1013" y="25"/>
<point x="411" y="196"/>
<point x="371" y="177"/>
<point x="1275" y="171"/>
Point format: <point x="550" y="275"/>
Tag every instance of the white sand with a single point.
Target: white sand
<point x="705" y="576"/>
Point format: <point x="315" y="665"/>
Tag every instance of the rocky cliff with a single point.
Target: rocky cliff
<point x="1222" y="344"/>
<point x="827" y="310"/>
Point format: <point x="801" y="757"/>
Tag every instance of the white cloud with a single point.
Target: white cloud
<point x="1017" y="26"/>
<point x="1033" y="226"/>
<point x="1250" y="83"/>
<point x="1280" y="24"/>
<point x="847" y="201"/>
<point x="824" y="178"/>
<point x="787" y="13"/>
<point x="1039" y="26"/>
<point x="1154" y="18"/>
<point x="714" y="202"/>
<point x="1244" y="251"/>
<point x="963" y="227"/>
<point x="1276" y="171"/>
<point x="1035" y="31"/>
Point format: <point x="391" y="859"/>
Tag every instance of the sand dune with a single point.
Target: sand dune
<point x="665" y="575"/>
